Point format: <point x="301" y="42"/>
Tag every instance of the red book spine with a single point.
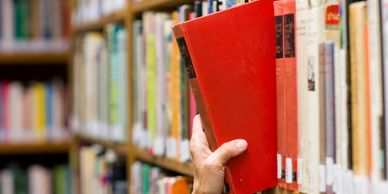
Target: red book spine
<point x="290" y="93"/>
<point x="280" y="94"/>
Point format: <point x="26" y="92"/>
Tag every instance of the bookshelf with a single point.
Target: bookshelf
<point x="35" y="148"/>
<point x="165" y="163"/>
<point x="120" y="149"/>
<point x="34" y="58"/>
<point x="116" y="17"/>
<point x="157" y="4"/>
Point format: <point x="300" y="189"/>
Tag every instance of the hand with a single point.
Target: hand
<point x="209" y="167"/>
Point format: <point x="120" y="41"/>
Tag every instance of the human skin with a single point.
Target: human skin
<point x="209" y="167"/>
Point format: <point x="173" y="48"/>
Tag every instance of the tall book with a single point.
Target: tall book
<point x="228" y="113"/>
<point x="359" y="72"/>
<point x="289" y="51"/>
<point x="384" y="28"/>
<point x="310" y="20"/>
<point x="280" y="93"/>
<point x="376" y="89"/>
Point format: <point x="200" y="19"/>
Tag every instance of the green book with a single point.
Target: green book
<point x="20" y="178"/>
<point x="59" y="179"/>
<point x="146" y="170"/>
<point x="22" y="19"/>
<point x="114" y="117"/>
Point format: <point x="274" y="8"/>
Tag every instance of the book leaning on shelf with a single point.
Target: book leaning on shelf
<point x="34" y="25"/>
<point x="100" y="90"/>
<point x="32" y="113"/>
<point x="36" y="179"/>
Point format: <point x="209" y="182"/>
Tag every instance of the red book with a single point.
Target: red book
<point x="280" y="93"/>
<point x="229" y="58"/>
<point x="289" y="48"/>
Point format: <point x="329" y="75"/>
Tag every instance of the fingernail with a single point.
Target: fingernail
<point x="241" y="144"/>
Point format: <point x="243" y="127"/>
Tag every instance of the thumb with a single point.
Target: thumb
<point x="228" y="150"/>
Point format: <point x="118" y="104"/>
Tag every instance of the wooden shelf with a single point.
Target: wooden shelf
<point x="120" y="149"/>
<point x="162" y="162"/>
<point x="157" y="4"/>
<point x="116" y="17"/>
<point x="33" y="58"/>
<point x="35" y="148"/>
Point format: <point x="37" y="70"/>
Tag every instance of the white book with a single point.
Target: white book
<point x="301" y="12"/>
<point x="375" y="85"/>
<point x="161" y="116"/>
<point x="123" y="84"/>
<point x="8" y="23"/>
<point x="310" y="22"/>
<point x="39" y="181"/>
<point x="15" y="112"/>
<point x="7" y="182"/>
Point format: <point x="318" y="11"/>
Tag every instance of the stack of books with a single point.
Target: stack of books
<point x="34" y="26"/>
<point x="100" y="93"/>
<point x="32" y="112"/>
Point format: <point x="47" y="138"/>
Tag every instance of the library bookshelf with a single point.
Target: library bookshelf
<point x="127" y="150"/>
<point x="34" y="58"/>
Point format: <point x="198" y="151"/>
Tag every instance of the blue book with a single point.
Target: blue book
<point x="49" y="109"/>
<point x="210" y="4"/>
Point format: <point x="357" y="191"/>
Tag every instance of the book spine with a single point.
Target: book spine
<point x="384" y="28"/>
<point x="359" y="94"/>
<point x="322" y="117"/>
<point x="329" y="115"/>
<point x="280" y="91"/>
<point x="290" y="94"/>
<point x="375" y="85"/>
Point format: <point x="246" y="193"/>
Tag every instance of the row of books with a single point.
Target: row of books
<point x="163" y="107"/>
<point x="34" y="25"/>
<point x="36" y="179"/>
<point x="101" y="171"/>
<point x="100" y="93"/>
<point x="32" y="112"/>
<point x="87" y="11"/>
<point x="332" y="130"/>
<point x="147" y="179"/>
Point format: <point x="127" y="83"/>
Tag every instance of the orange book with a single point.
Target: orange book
<point x="289" y="47"/>
<point x="180" y="186"/>
<point x="280" y="93"/>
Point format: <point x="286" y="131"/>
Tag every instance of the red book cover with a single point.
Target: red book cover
<point x="229" y="58"/>
<point x="289" y="48"/>
<point x="280" y="93"/>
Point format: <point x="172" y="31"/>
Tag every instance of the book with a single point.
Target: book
<point x="375" y="84"/>
<point x="384" y="22"/>
<point x="209" y="83"/>
<point x="280" y="93"/>
<point x="290" y="94"/>
<point x="360" y="94"/>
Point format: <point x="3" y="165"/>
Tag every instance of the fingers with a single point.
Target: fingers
<point x="199" y="147"/>
<point x="228" y="150"/>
